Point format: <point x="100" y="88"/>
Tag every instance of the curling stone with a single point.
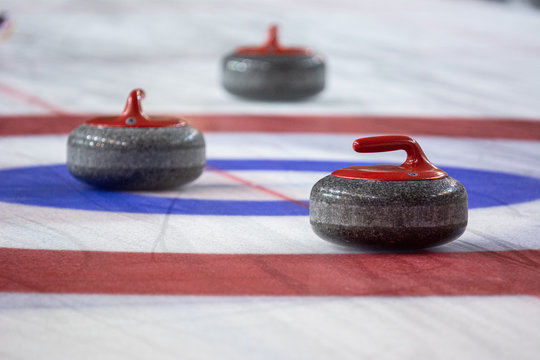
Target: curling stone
<point x="134" y="152"/>
<point x="273" y="72"/>
<point x="410" y="206"/>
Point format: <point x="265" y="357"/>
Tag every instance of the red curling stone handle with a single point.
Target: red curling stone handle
<point x="272" y="40"/>
<point x="416" y="159"/>
<point x="416" y="166"/>
<point x="133" y="116"/>
<point x="271" y="47"/>
<point x="133" y="106"/>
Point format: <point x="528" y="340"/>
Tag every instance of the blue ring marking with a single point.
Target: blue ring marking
<point x="53" y="186"/>
<point x="279" y="165"/>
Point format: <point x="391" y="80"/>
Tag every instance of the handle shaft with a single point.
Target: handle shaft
<point x="133" y="104"/>
<point x="272" y="40"/>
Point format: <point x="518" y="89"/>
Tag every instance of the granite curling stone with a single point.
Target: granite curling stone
<point x="273" y="72"/>
<point x="135" y="152"/>
<point x="410" y="206"/>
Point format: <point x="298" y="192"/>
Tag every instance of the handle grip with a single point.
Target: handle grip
<point x="416" y="159"/>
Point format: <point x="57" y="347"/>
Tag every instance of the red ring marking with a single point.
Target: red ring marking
<point x="423" y="274"/>
<point x="482" y="128"/>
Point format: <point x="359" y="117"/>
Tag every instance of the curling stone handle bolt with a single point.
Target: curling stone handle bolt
<point x="416" y="160"/>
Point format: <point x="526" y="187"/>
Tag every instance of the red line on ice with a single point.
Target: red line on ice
<point x="488" y="128"/>
<point x="31" y="99"/>
<point x="422" y="274"/>
<point x="243" y="181"/>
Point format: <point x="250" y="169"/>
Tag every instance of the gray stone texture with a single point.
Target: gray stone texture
<point x="274" y="77"/>
<point x="399" y="215"/>
<point x="136" y="158"/>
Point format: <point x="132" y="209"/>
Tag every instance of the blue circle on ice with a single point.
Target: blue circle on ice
<point x="53" y="186"/>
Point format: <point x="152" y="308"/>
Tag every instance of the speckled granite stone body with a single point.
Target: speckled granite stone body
<point x="144" y="158"/>
<point x="274" y="77"/>
<point x="398" y="215"/>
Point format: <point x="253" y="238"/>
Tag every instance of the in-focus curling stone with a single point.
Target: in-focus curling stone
<point x="410" y="206"/>
<point x="134" y="152"/>
<point x="273" y="72"/>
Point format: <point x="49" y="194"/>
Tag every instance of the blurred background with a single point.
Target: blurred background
<point x="416" y="57"/>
